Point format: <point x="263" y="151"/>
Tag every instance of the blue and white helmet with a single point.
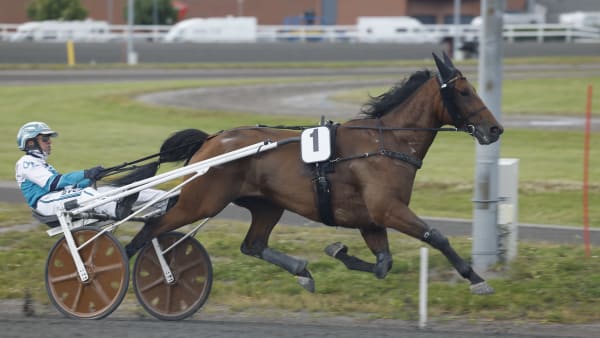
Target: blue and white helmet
<point x="32" y="129"/>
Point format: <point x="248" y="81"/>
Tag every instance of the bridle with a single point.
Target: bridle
<point x="447" y="91"/>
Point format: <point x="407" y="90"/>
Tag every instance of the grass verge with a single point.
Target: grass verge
<point x="546" y="283"/>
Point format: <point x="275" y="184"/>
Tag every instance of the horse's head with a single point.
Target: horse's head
<point x="465" y="108"/>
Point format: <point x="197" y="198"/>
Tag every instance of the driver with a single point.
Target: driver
<point x="46" y="190"/>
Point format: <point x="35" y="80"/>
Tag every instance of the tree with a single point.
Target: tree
<point x="40" y="10"/>
<point x="144" y="12"/>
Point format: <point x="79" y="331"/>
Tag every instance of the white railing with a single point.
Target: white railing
<point x="306" y="33"/>
<point x="140" y="32"/>
<point x="426" y="33"/>
<point x="551" y="32"/>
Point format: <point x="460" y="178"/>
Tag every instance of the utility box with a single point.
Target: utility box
<point x="508" y="208"/>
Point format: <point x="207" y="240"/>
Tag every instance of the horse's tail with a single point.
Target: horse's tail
<point x="180" y="146"/>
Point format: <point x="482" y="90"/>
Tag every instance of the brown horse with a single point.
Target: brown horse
<point x="374" y="163"/>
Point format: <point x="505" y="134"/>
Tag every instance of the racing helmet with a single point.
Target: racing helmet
<point x="30" y="130"/>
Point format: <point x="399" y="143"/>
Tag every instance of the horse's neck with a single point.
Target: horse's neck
<point x="422" y="110"/>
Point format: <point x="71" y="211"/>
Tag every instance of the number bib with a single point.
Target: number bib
<point x="315" y="144"/>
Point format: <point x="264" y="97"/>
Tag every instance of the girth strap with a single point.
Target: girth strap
<point x="322" y="186"/>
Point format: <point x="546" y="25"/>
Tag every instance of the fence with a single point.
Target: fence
<point x="428" y="33"/>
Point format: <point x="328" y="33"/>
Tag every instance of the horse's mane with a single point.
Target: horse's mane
<point x="380" y="105"/>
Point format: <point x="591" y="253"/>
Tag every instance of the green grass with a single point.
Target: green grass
<point x="546" y="283"/>
<point x="102" y="124"/>
<point x="12" y="214"/>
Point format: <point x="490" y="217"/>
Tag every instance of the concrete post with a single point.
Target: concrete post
<point x="508" y="209"/>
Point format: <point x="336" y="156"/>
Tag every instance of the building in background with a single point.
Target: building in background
<point x="327" y="12"/>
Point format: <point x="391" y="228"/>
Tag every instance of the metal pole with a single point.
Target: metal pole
<point x="131" y="55"/>
<point x="456" y="54"/>
<point x="154" y="20"/>
<point x="485" y="199"/>
<point x="109" y="11"/>
<point x="240" y="8"/>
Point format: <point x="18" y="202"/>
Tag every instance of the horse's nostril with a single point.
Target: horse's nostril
<point x="495" y="130"/>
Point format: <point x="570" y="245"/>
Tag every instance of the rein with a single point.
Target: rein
<point x="128" y="166"/>
<point x="416" y="162"/>
<point x="402" y="128"/>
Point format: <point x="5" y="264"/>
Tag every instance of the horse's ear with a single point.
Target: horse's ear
<point x="445" y="71"/>
<point x="448" y="61"/>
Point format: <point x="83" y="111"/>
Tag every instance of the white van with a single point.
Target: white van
<point x="226" y="29"/>
<point x="580" y="19"/>
<point x="399" y="29"/>
<point x="517" y="19"/>
<point x="60" y="31"/>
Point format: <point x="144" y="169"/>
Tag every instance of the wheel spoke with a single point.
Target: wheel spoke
<point x="153" y="284"/>
<point x="77" y="297"/>
<point x="63" y="278"/>
<point x="189" y="288"/>
<point x="168" y="298"/>
<point x="152" y="259"/>
<point x="100" y="292"/>
<point x="188" y="266"/>
<point x="92" y="252"/>
<point x="116" y="266"/>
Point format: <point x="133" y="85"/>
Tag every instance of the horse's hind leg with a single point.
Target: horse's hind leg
<point x="189" y="208"/>
<point x="265" y="216"/>
<point x="376" y="239"/>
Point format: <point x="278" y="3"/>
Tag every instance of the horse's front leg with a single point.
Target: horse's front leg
<point x="398" y="216"/>
<point x="478" y="285"/>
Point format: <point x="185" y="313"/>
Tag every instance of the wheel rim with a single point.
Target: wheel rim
<point x="191" y="267"/>
<point x="107" y="269"/>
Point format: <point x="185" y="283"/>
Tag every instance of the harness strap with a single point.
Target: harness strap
<point x="322" y="186"/>
<point x="417" y="163"/>
<point x="447" y="91"/>
<point x="324" y="197"/>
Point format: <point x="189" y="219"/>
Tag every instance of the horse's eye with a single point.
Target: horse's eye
<point x="464" y="93"/>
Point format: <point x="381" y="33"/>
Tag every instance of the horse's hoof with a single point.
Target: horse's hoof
<point x="383" y="265"/>
<point x="481" y="288"/>
<point x="307" y="283"/>
<point x="335" y="248"/>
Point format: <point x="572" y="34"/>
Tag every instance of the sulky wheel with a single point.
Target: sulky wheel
<point x="192" y="271"/>
<point x="108" y="272"/>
